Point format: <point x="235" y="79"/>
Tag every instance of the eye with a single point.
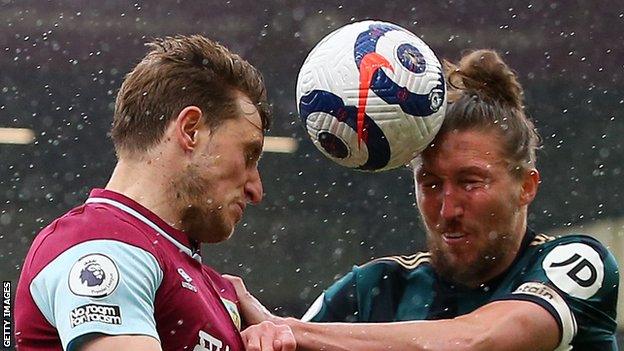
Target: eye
<point x="252" y="157"/>
<point x="429" y="184"/>
<point x="472" y="183"/>
<point x="249" y="160"/>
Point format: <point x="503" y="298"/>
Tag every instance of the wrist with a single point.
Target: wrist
<point x="278" y="320"/>
<point x="296" y="325"/>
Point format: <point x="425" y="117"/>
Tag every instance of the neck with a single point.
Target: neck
<point x="146" y="181"/>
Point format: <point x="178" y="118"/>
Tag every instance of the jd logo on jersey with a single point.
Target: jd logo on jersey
<point x="575" y="268"/>
<point x="575" y="273"/>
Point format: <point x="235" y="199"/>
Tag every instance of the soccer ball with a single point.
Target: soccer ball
<point x="371" y="95"/>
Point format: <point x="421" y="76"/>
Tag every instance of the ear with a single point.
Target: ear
<point x="187" y="125"/>
<point x="530" y="183"/>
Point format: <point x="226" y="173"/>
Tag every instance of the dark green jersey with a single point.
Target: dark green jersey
<point x="574" y="278"/>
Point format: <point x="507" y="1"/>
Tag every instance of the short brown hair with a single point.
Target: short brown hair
<point x="484" y="93"/>
<point x="178" y="72"/>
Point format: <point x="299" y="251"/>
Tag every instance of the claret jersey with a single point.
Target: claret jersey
<point x="574" y="278"/>
<point x="113" y="267"/>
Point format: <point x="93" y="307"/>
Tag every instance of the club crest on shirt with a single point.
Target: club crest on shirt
<point x="233" y="311"/>
<point x="93" y="275"/>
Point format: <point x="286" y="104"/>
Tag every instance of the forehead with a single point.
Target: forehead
<point x="246" y="124"/>
<point x="248" y="110"/>
<point x="457" y="150"/>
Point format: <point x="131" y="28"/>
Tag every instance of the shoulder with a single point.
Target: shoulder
<point x="399" y="267"/>
<point x="404" y="262"/>
<point x="368" y="292"/>
<point x="98" y="286"/>
<point x="575" y="250"/>
<point x="547" y="242"/>
<point x="577" y="264"/>
<point x="399" y="263"/>
<point x="576" y="278"/>
<point x="81" y="225"/>
<point x="389" y="268"/>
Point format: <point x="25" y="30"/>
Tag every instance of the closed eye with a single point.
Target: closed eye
<point x="253" y="152"/>
<point x="429" y="183"/>
<point x="473" y="183"/>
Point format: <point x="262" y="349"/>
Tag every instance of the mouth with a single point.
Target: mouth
<point x="454" y="238"/>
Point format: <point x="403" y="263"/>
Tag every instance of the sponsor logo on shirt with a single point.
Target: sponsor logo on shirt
<point x="108" y="314"/>
<point x="187" y="283"/>
<point x="575" y="268"/>
<point x="551" y="296"/>
<point x="208" y="342"/>
<point x="537" y="289"/>
<point x="93" y="275"/>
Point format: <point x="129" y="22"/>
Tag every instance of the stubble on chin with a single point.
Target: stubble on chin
<point x="207" y="226"/>
<point x="199" y="217"/>
<point x="452" y="268"/>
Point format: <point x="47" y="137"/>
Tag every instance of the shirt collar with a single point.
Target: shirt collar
<point x="136" y="210"/>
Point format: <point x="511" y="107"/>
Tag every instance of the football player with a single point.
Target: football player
<point x="123" y="271"/>
<point x="488" y="282"/>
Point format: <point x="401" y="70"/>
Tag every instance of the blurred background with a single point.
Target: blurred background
<point x="62" y="62"/>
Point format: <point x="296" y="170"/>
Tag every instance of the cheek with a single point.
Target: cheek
<point x="225" y="169"/>
<point x="230" y="180"/>
<point x="233" y="166"/>
<point x="496" y="205"/>
<point x="428" y="206"/>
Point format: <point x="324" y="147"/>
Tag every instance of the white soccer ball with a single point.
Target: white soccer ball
<point x="371" y="95"/>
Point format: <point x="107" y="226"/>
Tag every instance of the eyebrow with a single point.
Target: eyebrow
<point x="254" y="147"/>
<point x="461" y="171"/>
<point x="473" y="169"/>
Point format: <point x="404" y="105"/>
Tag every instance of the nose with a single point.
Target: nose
<point x="253" y="187"/>
<point x="452" y="205"/>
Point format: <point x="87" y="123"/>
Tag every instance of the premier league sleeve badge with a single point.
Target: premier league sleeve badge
<point x="94" y="276"/>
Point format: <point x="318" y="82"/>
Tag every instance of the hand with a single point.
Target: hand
<point x="268" y="336"/>
<point x="252" y="310"/>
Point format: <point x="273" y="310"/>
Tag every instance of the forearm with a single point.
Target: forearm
<point x="455" y="334"/>
<point x="503" y="325"/>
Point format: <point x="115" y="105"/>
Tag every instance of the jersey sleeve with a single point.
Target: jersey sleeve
<point x="576" y="280"/>
<point x="99" y="286"/>
<point x="337" y="304"/>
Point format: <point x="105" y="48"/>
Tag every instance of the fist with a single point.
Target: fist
<point x="268" y="336"/>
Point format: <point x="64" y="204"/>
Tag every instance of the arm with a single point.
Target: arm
<point x="502" y="325"/>
<point x="129" y="278"/>
<point x="505" y="325"/>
